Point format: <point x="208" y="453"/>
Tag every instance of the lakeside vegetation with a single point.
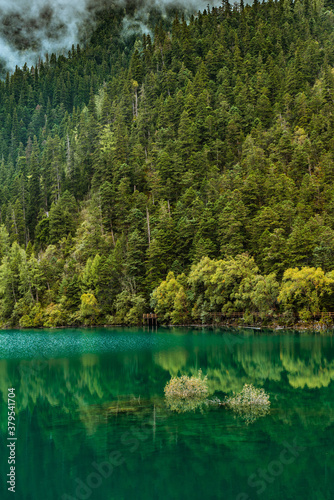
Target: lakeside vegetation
<point x="235" y="285"/>
<point x="190" y="171"/>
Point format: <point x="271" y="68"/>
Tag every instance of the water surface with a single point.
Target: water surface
<point x="92" y="421"/>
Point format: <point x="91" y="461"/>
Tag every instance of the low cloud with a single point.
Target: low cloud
<point x="29" y="30"/>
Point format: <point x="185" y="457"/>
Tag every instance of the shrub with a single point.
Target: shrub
<point x="287" y="318"/>
<point x="186" y="393"/>
<point x="248" y="318"/>
<point x="89" y="309"/>
<point x="169" y="300"/>
<point x="250" y="404"/>
<point x="54" y="316"/>
<point x="26" y="321"/>
<point x="130" y="308"/>
<point x="187" y="387"/>
<point x="34" y="319"/>
<point x="305" y="289"/>
<point x="305" y="315"/>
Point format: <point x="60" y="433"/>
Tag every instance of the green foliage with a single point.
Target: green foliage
<point x="223" y="285"/>
<point x="129" y="308"/>
<point x="89" y="309"/>
<point x="54" y="316"/>
<point x="204" y="155"/>
<point x="26" y="321"/>
<point x="34" y="319"/>
<point x="303" y="290"/>
<point x="169" y="300"/>
<point x="62" y="218"/>
<point x="259" y="293"/>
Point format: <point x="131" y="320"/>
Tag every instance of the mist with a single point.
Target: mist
<point x="29" y="30"/>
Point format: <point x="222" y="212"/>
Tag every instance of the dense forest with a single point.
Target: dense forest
<point x="187" y="171"/>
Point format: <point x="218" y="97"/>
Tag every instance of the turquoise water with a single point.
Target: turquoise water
<point x="91" y="420"/>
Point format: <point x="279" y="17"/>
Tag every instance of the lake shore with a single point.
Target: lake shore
<point x="299" y="326"/>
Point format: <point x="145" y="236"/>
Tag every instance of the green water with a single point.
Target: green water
<point x="92" y="423"/>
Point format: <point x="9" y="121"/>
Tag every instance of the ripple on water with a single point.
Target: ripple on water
<point x="18" y="344"/>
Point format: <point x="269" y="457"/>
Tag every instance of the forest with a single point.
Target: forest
<point x="187" y="170"/>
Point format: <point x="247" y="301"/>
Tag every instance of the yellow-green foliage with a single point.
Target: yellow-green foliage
<point x="89" y="306"/>
<point x="25" y="321"/>
<point x="233" y="284"/>
<point x="37" y="315"/>
<point x="90" y="275"/>
<point x="34" y="319"/>
<point x="258" y="293"/>
<point x="302" y="289"/>
<point x="54" y="316"/>
<point x="170" y="301"/>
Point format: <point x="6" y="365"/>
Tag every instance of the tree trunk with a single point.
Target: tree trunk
<point x="148" y="227"/>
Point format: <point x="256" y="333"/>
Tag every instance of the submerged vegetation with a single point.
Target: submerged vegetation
<point x="186" y="393"/>
<point x="250" y="404"/>
<point x="202" y="152"/>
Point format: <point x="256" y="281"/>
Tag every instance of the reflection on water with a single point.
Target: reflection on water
<point x="96" y="396"/>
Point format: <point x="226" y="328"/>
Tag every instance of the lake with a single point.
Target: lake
<point x="91" y="420"/>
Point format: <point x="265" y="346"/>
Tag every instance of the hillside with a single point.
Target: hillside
<point x="204" y="151"/>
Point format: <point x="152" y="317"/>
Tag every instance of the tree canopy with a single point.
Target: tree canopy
<point x="202" y="152"/>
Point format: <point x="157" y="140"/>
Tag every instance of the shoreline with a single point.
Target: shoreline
<point x="309" y="326"/>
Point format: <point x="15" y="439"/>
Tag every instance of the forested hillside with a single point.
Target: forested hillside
<point x="204" y="150"/>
